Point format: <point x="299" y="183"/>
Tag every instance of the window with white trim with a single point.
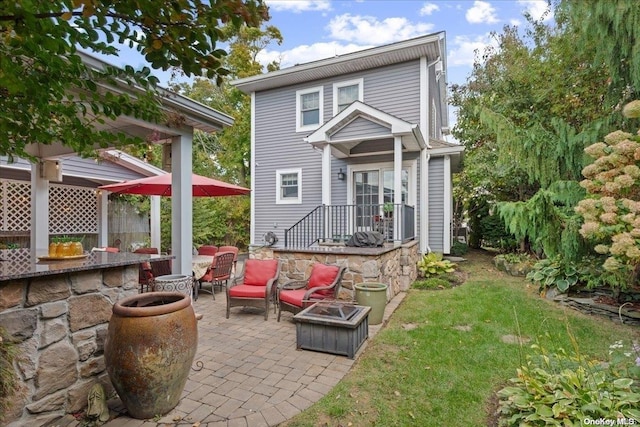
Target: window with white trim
<point x="344" y="93"/>
<point x="288" y="186"/>
<point x="309" y="108"/>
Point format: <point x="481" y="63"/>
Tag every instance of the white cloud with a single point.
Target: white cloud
<point x="463" y="49"/>
<point x="536" y="9"/>
<point x="370" y="30"/>
<point x="299" y="6"/>
<point x="308" y="53"/>
<point x="515" y="22"/>
<point x="429" y="8"/>
<point x="481" y="13"/>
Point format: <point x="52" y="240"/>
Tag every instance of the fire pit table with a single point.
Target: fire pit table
<point x="332" y="327"/>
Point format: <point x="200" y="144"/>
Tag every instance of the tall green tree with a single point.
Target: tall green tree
<point x="538" y="103"/>
<point x="48" y="95"/>
<point x="614" y="28"/>
<point x="227" y="154"/>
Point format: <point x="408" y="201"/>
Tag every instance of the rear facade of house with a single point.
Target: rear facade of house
<point x="354" y="143"/>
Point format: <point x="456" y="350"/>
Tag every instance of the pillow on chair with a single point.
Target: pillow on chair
<point x="257" y="272"/>
<point x="323" y="275"/>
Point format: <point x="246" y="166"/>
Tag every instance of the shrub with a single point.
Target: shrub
<point x="552" y="272"/>
<point x="432" y="264"/>
<point x="558" y="389"/>
<point x="432" y="283"/>
<point x="459" y="248"/>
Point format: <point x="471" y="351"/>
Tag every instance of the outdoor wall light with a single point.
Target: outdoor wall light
<point x="341" y="175"/>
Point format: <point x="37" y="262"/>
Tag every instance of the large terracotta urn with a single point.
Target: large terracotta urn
<point x="150" y="346"/>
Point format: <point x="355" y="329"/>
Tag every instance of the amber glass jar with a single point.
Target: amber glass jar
<point x="77" y="248"/>
<point x="53" y="249"/>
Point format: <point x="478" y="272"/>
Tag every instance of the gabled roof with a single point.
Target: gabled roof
<point x="197" y="115"/>
<point x="431" y="46"/>
<point x="109" y="166"/>
<point x="191" y="113"/>
<point x="412" y="138"/>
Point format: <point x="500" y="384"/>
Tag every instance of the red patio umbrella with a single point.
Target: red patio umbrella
<point x="161" y="186"/>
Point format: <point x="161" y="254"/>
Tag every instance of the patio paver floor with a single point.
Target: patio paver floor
<point x="251" y="373"/>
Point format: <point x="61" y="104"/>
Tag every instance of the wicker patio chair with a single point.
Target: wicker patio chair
<point x="256" y="286"/>
<point x="323" y="283"/>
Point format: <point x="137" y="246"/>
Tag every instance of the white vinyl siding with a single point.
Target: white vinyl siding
<point x="289" y="186"/>
<point x="309" y="108"/>
<point x="344" y="93"/>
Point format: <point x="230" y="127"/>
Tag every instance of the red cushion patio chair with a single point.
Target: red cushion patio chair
<point x="235" y="251"/>
<point x="144" y="274"/>
<point x="323" y="283"/>
<point x="208" y="250"/>
<point x="256" y="286"/>
<point x="219" y="273"/>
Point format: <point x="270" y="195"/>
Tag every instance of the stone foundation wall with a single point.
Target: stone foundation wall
<point x="395" y="268"/>
<point x="60" y="323"/>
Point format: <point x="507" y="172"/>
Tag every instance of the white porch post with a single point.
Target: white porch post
<point x="397" y="185"/>
<point x="424" y="201"/>
<point x="155" y="222"/>
<point x="448" y="206"/>
<point x="181" y="204"/>
<point x="39" y="213"/>
<point x="326" y="174"/>
<point x="102" y="199"/>
<point x="326" y="187"/>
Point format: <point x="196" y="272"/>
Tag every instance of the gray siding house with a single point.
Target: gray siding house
<point x="354" y="143"/>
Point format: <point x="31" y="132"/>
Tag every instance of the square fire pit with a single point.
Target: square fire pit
<point x="332" y="327"/>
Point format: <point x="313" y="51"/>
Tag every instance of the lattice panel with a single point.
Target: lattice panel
<point x="16" y="206"/>
<point x="72" y="210"/>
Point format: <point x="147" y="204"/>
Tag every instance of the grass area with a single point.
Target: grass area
<point x="444" y="353"/>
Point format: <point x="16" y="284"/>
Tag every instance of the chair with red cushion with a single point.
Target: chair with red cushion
<point x="235" y="251"/>
<point x="219" y="272"/>
<point x="207" y="250"/>
<point x="144" y="275"/>
<point x="323" y="283"/>
<point x="256" y="287"/>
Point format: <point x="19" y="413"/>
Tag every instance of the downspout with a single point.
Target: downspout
<point x="252" y="221"/>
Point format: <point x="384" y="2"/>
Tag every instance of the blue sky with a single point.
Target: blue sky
<point x="323" y="28"/>
<point x="316" y="29"/>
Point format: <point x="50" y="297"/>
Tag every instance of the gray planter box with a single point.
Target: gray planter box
<point x="321" y="327"/>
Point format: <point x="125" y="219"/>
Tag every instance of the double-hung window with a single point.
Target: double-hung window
<point x="288" y="186"/>
<point x="344" y="93"/>
<point x="309" y="109"/>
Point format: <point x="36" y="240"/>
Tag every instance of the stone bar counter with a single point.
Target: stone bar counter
<point x="57" y="312"/>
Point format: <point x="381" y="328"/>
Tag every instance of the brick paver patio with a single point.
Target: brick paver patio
<point x="247" y="371"/>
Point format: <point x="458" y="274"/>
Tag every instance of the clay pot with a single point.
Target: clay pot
<point x="150" y="346"/>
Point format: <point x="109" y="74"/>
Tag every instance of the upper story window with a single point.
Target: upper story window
<point x="288" y="186"/>
<point x="309" y="108"/>
<point x="344" y="93"/>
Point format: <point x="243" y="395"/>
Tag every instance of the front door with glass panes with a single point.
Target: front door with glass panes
<point x="371" y="190"/>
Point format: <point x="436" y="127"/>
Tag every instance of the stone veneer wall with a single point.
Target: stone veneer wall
<point x="60" y="322"/>
<point x="396" y="268"/>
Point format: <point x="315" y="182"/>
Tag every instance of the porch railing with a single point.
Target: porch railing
<point x="336" y="223"/>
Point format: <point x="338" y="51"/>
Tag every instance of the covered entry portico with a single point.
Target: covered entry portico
<point x="364" y="140"/>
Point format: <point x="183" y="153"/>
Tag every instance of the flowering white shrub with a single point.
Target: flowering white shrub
<point x="612" y="210"/>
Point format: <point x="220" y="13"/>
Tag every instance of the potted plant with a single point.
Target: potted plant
<point x="388" y="208"/>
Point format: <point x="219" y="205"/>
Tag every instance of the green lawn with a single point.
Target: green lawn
<point x="444" y="353"/>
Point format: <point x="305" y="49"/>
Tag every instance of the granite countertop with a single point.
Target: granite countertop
<point x="19" y="264"/>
